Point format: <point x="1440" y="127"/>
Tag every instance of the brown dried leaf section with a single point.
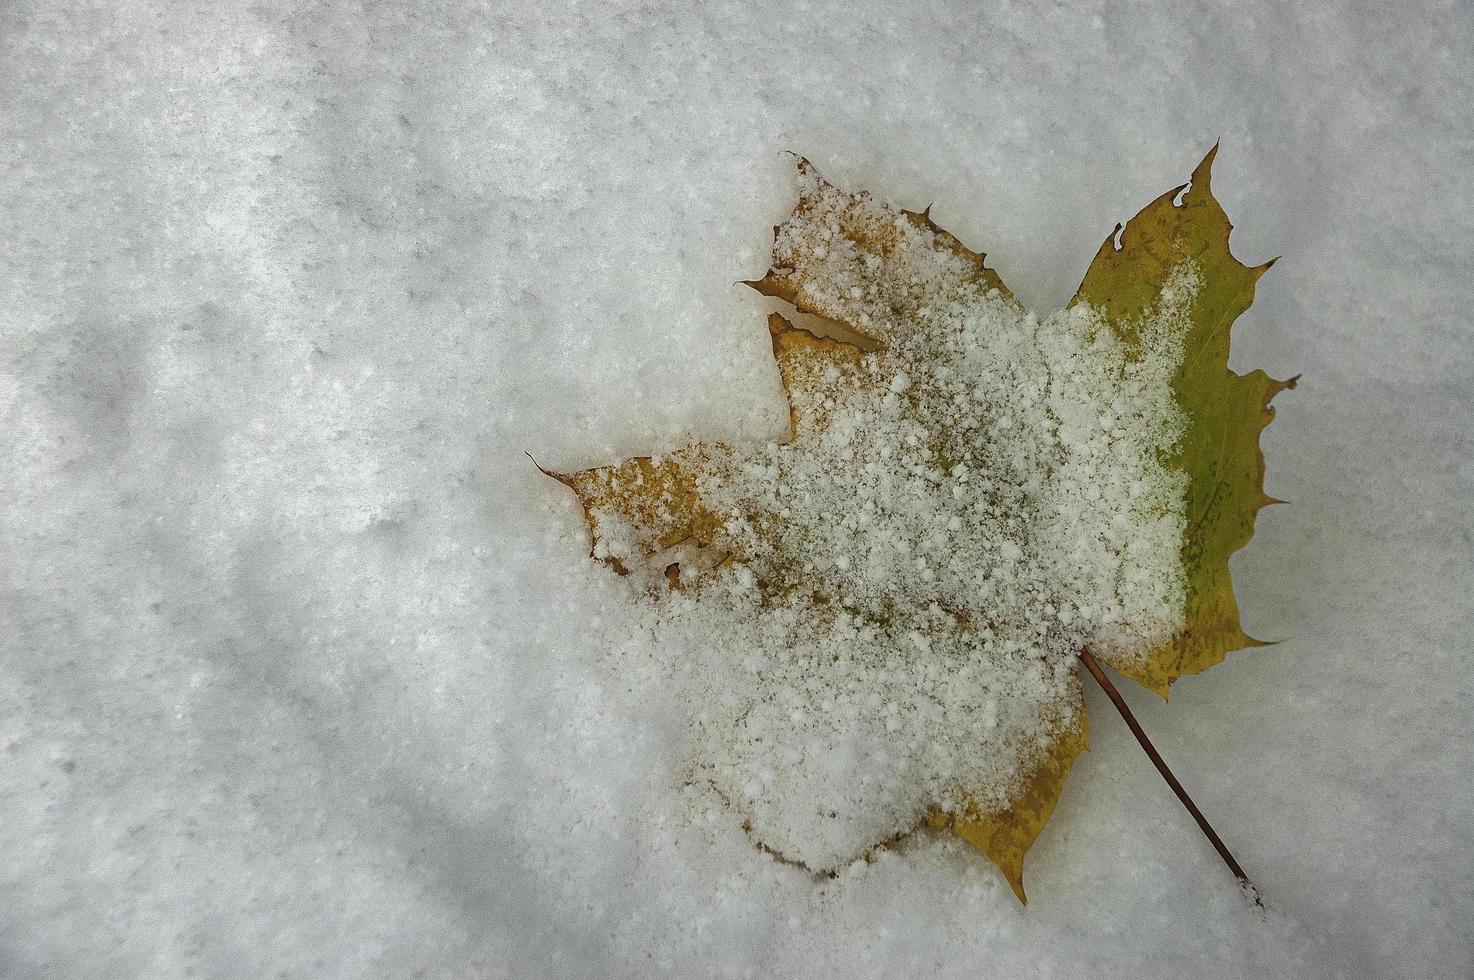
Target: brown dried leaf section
<point x="659" y="498"/>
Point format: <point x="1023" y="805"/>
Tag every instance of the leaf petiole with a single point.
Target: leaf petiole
<point x="1092" y="665"/>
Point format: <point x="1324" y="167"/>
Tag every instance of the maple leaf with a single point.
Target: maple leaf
<point x="967" y="498"/>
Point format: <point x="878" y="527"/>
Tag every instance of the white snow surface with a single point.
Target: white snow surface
<point x="304" y="670"/>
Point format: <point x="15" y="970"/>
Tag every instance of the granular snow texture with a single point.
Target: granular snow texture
<point x="304" y="669"/>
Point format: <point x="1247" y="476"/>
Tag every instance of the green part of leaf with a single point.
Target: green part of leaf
<point x="1226" y="411"/>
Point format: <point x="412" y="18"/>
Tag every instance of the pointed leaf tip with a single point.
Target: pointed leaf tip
<point x="1206" y="164"/>
<point x="1006" y="836"/>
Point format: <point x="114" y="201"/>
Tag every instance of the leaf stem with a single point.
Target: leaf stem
<point x="1092" y="665"/>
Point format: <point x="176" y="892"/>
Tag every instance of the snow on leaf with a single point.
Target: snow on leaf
<point x="878" y="252"/>
<point x="882" y="612"/>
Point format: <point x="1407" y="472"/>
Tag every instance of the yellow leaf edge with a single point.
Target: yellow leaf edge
<point x="1226" y="411"/>
<point x="1006" y="835"/>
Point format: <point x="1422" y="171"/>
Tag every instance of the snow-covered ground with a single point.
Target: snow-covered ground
<point x="303" y="669"/>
